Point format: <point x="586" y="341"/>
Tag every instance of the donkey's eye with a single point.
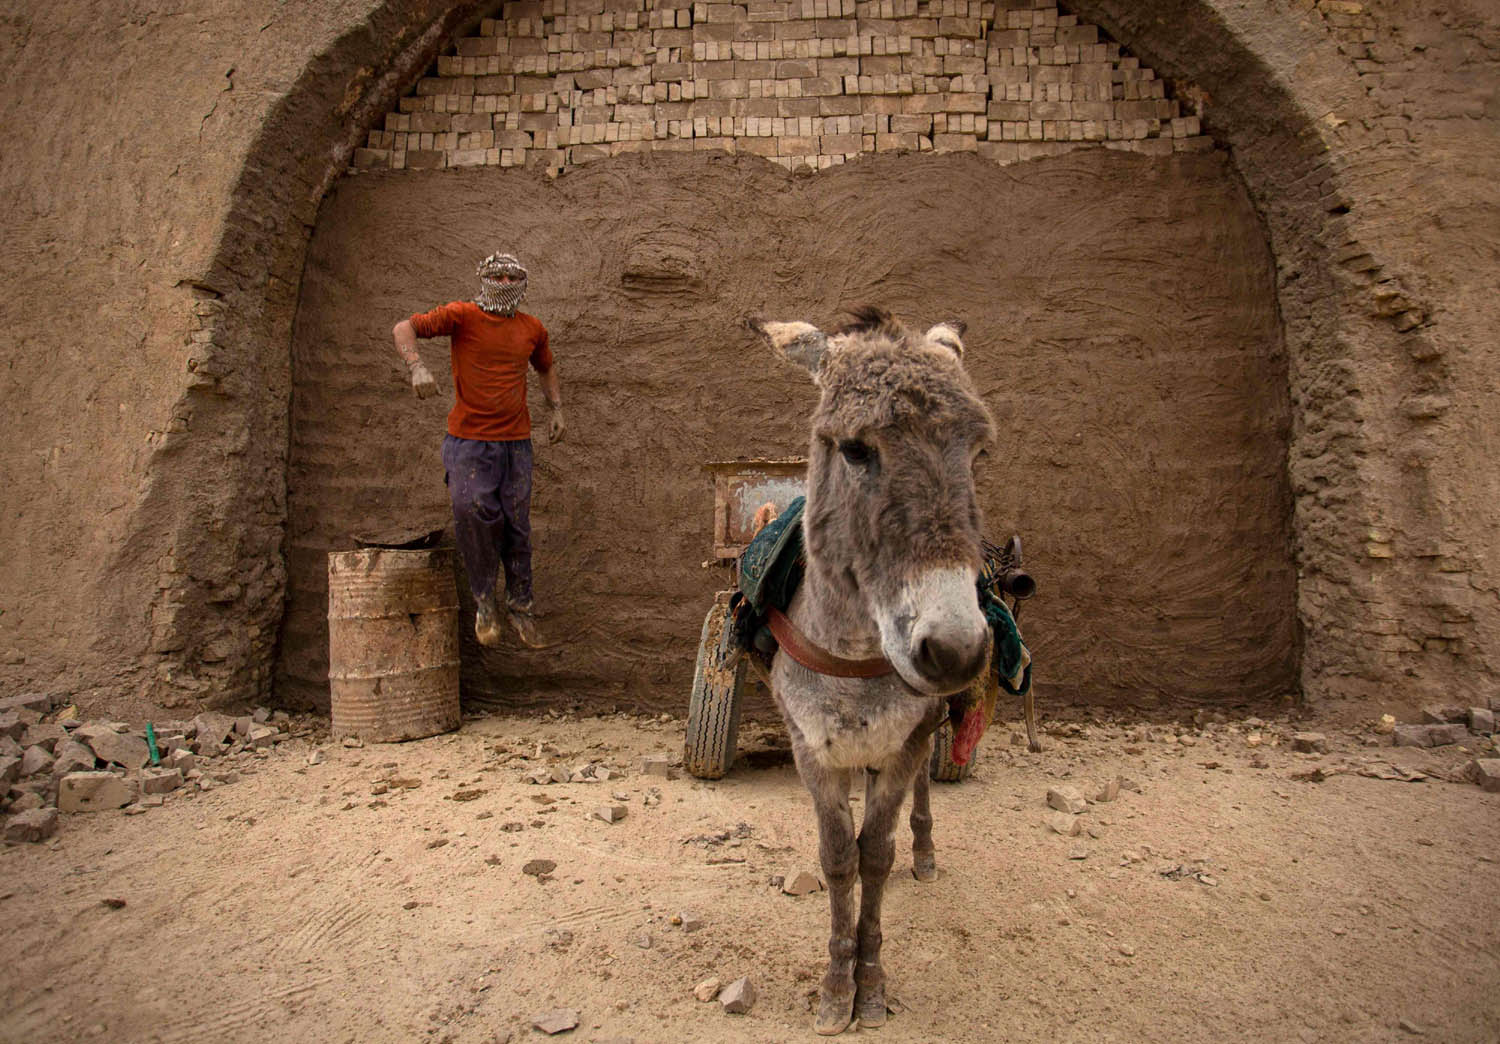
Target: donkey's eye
<point x="860" y="454"/>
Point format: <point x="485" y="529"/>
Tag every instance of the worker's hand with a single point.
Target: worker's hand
<point x="557" y="427"/>
<point x="421" y="381"/>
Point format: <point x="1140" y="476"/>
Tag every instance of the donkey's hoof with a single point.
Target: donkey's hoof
<point x="924" y="866"/>
<point x="835" y="1012"/>
<point x="869" y="1006"/>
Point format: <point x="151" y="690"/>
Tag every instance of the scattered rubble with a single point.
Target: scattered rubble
<point x="557" y="1021"/>
<point x="51" y="761"/>
<point x="1310" y="743"/>
<point x="1486" y="773"/>
<point x="1067" y="799"/>
<point x="36" y="824"/>
<point x="801" y="883"/>
<point x="1064" y="823"/>
<point x="708" y="989"/>
<point x="738" y="997"/>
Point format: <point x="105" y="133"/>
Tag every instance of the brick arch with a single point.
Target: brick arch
<point x="215" y="620"/>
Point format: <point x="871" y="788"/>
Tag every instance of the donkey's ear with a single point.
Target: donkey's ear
<point x="947" y="335"/>
<point x="801" y="343"/>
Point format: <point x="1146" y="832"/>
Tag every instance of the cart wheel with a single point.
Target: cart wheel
<point x="713" y="722"/>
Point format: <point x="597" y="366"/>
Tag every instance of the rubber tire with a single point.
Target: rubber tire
<point x="713" y="722"/>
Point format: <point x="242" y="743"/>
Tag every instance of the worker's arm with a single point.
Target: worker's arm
<point x="552" y="390"/>
<point x="406" y="344"/>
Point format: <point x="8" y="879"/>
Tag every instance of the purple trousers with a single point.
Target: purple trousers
<point x="489" y="484"/>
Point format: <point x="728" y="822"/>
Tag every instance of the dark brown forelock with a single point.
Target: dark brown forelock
<point x="876" y="375"/>
<point x="875" y="321"/>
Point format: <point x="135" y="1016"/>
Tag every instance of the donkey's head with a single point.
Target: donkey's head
<point x="892" y="523"/>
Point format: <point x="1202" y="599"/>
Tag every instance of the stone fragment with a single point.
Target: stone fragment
<point x="1109" y="792"/>
<point x="182" y="760"/>
<point x="1310" y="743"/>
<point x="738" y="997"/>
<point x="160" y="780"/>
<point x="1066" y="799"/>
<point x="801" y="883"/>
<point x="353" y="742"/>
<point x="1064" y="823"/>
<point x="44" y="736"/>
<point x="1481" y="719"/>
<point x="539" y="867"/>
<point x="213" y="727"/>
<point x="260" y="715"/>
<point x="9" y="748"/>
<point x="560" y="773"/>
<point x="28" y="800"/>
<point x="690" y="922"/>
<point x="37" y="824"/>
<point x="1447" y="714"/>
<point x="73" y="756"/>
<point x="36" y="759"/>
<point x="262" y="736"/>
<point x="1386" y="725"/>
<point x="1412" y="736"/>
<point x="94" y="791"/>
<point x="609" y="813"/>
<point x="1486" y="772"/>
<point x="1443" y="735"/>
<point x="708" y="989"/>
<point x="656" y="765"/>
<point x="315" y="757"/>
<point x="1408" y="1026"/>
<point x="38" y="702"/>
<point x="11" y="725"/>
<point x="642" y="939"/>
<point x="559" y="1020"/>
<point x="119" y="748"/>
<point x="10" y="770"/>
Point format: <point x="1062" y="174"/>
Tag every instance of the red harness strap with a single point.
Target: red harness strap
<point x="797" y="645"/>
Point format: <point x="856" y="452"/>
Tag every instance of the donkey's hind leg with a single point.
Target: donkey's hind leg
<point x="923" y="854"/>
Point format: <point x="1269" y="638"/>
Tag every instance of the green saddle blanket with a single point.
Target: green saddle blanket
<point x="772" y="565"/>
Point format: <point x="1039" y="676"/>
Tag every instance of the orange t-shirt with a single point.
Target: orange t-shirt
<point x="489" y="355"/>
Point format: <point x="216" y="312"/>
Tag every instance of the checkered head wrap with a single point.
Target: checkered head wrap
<point x="496" y="295"/>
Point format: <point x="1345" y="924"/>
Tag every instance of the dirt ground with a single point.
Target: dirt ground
<point x="1222" y="901"/>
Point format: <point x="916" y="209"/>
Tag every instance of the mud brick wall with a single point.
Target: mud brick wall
<point x="807" y="84"/>
<point x="159" y="230"/>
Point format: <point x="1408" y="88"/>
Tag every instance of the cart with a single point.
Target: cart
<point x="741" y="486"/>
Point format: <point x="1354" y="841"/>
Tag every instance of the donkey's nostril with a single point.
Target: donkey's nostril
<point x="945" y="661"/>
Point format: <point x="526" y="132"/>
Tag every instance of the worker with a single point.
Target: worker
<point x="487" y="451"/>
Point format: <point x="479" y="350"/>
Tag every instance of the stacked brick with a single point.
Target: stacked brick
<point x="804" y="83"/>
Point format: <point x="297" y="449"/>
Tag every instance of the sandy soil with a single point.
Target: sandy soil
<point x="1220" y="902"/>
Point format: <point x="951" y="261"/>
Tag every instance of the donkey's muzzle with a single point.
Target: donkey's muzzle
<point x="948" y="659"/>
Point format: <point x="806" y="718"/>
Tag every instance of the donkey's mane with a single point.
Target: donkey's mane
<point x="872" y="319"/>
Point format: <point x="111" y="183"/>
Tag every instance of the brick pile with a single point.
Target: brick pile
<point x="805" y="84"/>
<point x="51" y="761"/>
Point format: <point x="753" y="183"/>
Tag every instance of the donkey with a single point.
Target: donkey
<point x="887" y="615"/>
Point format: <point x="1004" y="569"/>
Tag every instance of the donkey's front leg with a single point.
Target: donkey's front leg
<point x="885" y="792"/>
<point x="923" y="854"/>
<point x="840" y="858"/>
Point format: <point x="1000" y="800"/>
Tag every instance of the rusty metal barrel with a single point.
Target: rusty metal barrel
<point x="392" y="643"/>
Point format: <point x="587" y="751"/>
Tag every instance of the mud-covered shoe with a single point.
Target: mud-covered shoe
<point x="486" y="621"/>
<point x="524" y="621"/>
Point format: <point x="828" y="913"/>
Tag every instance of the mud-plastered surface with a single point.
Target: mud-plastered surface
<point x="1121" y="324"/>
